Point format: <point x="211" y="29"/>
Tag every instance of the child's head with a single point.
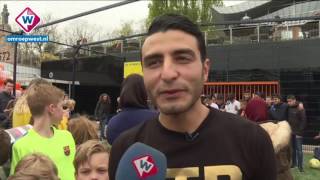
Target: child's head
<point x="70" y="104"/>
<point x="92" y="160"/>
<point x="5" y="148"/>
<point x="46" y="99"/>
<point x="82" y="129"/>
<point x="38" y="81"/>
<point x="35" y="166"/>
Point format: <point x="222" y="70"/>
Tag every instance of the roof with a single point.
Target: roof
<point x="304" y="9"/>
<point x="240" y="7"/>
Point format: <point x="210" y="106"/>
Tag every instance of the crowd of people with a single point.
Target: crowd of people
<point x="40" y="127"/>
<point x="288" y="117"/>
<point x="47" y="141"/>
<point x="201" y="136"/>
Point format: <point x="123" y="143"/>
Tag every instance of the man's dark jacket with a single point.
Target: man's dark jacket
<point x="278" y="112"/>
<point x="297" y="119"/>
<point x="4" y="99"/>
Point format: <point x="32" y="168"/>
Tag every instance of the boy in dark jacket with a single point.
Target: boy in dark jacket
<point x="297" y="121"/>
<point x="5" y="94"/>
<point x="279" y="110"/>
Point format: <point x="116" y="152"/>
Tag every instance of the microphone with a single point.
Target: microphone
<point x="142" y="162"/>
<point x="191" y="137"/>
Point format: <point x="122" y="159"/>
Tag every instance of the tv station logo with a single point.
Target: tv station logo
<point x="28" y="20"/>
<point x="145" y="166"/>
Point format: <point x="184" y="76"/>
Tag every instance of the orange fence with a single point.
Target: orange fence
<point x="237" y="88"/>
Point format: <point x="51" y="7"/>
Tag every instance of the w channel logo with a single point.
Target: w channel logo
<point x="145" y="166"/>
<point x="28" y="20"/>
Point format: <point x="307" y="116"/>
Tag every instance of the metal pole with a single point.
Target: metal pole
<point x="74" y="69"/>
<point x="114" y="39"/>
<point x="319" y="29"/>
<point x="228" y="62"/>
<point x="206" y="37"/>
<point x="230" y="29"/>
<point x="121" y="47"/>
<point x="258" y="33"/>
<point x="87" y="49"/>
<point x="69" y="91"/>
<point x="15" y="68"/>
<point x="287" y="31"/>
<point x="86" y="13"/>
<point x="74" y="66"/>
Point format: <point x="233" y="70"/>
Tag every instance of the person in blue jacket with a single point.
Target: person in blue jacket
<point x="134" y="107"/>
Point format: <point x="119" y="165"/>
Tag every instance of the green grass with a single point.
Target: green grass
<point x="309" y="173"/>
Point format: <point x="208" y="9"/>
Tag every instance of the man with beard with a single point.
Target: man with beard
<point x="279" y="110"/>
<point x="199" y="142"/>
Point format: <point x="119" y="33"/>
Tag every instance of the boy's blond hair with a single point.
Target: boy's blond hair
<point x="82" y="129"/>
<point x="70" y="103"/>
<point x="35" y="166"/>
<point x="42" y="95"/>
<point x="86" y="150"/>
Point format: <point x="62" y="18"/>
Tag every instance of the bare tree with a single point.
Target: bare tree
<point x="51" y="31"/>
<point x="78" y="30"/>
<point x="33" y="53"/>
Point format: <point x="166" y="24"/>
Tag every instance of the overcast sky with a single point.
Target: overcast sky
<point x="107" y="20"/>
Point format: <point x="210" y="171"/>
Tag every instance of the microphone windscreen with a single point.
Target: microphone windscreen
<point x="142" y="162"/>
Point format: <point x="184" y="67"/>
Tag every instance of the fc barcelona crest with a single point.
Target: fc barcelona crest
<point x="66" y="150"/>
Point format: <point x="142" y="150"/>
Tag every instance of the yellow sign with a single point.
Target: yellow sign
<point x="132" y="68"/>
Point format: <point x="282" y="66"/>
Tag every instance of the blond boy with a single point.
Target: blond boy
<point x="45" y="102"/>
<point x="35" y="166"/>
<point x="91" y="161"/>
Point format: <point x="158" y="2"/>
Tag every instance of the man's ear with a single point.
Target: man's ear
<point x="206" y="69"/>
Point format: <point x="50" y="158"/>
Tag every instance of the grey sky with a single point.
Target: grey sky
<point x="107" y="20"/>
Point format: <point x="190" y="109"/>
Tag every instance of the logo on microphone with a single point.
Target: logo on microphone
<point x="145" y="166"/>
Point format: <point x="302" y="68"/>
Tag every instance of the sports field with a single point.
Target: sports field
<point x="309" y="173"/>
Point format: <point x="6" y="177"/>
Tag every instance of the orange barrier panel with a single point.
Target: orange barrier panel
<point x="237" y="88"/>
